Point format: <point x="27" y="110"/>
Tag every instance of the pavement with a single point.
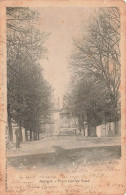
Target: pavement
<point x="50" y="144"/>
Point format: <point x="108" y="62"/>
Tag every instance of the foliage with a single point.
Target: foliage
<point x="96" y="69"/>
<point x="29" y="95"/>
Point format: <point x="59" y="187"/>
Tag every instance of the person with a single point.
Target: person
<point x="18" y="137"/>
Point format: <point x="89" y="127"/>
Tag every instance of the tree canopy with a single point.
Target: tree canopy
<point x="29" y="95"/>
<point x="96" y="69"/>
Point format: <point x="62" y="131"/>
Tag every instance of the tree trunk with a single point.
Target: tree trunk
<point x="38" y="135"/>
<point x="10" y="128"/>
<point x="88" y="129"/>
<point x="35" y="135"/>
<point x="83" y="132"/>
<point x="26" y="135"/>
<point x="116" y="122"/>
<point x="80" y="129"/>
<point x="116" y="127"/>
<point x="95" y="135"/>
<point x="21" y="132"/>
<point x="30" y="135"/>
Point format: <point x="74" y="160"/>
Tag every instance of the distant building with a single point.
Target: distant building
<point x="68" y="123"/>
<point x="62" y="123"/>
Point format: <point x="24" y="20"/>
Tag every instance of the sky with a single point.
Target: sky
<point x="64" y="25"/>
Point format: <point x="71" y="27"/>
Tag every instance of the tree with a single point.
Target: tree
<point x="96" y="65"/>
<point x="28" y="93"/>
<point x="88" y="101"/>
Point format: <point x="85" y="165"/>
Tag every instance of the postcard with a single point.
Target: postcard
<point x="62" y="97"/>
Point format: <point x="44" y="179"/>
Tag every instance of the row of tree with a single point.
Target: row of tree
<point x="95" y="64"/>
<point x="29" y="95"/>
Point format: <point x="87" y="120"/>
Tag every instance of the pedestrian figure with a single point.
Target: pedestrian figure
<point x="18" y="137"/>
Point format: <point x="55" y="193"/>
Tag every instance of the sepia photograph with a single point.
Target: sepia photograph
<point x="63" y="128"/>
<point x="63" y="79"/>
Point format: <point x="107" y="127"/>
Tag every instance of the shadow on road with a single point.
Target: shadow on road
<point x="63" y="158"/>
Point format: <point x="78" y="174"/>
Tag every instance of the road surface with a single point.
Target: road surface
<point x="63" y="152"/>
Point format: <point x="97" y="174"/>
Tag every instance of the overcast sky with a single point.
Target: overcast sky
<point x="64" y="24"/>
